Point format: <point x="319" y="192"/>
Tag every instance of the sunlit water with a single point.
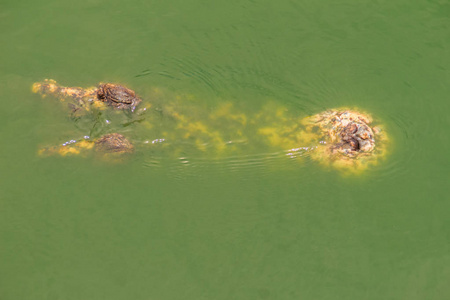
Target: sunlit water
<point x="251" y="224"/>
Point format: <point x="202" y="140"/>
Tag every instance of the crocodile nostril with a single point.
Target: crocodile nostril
<point x="354" y="144"/>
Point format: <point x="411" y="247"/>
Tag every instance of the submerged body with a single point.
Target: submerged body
<point x="342" y="138"/>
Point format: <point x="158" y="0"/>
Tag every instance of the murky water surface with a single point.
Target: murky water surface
<point x="213" y="204"/>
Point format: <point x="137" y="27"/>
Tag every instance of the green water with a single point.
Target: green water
<point x="159" y="227"/>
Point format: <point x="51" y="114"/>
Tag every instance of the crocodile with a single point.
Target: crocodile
<point x="344" y="138"/>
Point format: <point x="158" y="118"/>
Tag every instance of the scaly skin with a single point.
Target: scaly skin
<point x="82" y="98"/>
